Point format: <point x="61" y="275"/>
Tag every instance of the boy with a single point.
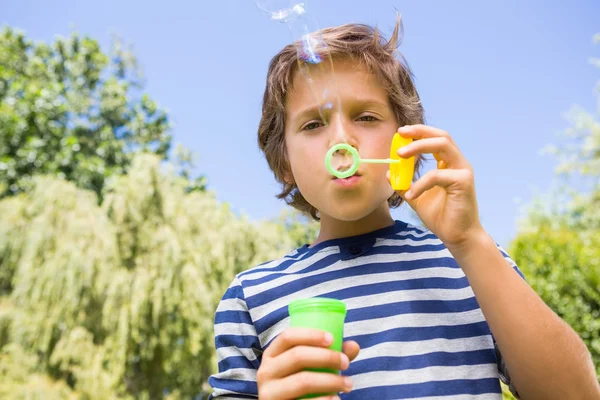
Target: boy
<point x="431" y="312"/>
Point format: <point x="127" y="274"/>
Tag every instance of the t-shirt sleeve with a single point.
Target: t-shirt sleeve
<point x="238" y="348"/>
<point x="502" y="369"/>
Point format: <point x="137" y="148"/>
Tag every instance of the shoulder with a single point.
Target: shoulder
<point x="271" y="267"/>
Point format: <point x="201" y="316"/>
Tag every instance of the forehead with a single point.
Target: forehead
<point x="323" y="82"/>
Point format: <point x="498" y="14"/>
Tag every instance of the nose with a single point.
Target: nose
<point x="340" y="132"/>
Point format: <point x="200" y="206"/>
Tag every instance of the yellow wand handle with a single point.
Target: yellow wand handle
<point x="401" y="173"/>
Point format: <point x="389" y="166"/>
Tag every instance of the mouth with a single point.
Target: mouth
<point x="349" y="181"/>
<point x="351" y="176"/>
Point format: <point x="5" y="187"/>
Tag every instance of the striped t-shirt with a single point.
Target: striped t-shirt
<point x="410" y="307"/>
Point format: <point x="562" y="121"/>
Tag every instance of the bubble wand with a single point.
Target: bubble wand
<point x="401" y="169"/>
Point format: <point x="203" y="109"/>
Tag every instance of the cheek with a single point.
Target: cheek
<point x="304" y="160"/>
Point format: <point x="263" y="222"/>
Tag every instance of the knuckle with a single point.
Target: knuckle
<point x="434" y="174"/>
<point x="297" y="355"/>
<point x="445" y="140"/>
<point x="304" y="380"/>
<point x="265" y="393"/>
<point x="261" y="374"/>
<point x="468" y="175"/>
<point x="285" y="337"/>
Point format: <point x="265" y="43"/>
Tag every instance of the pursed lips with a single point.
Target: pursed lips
<point x="357" y="173"/>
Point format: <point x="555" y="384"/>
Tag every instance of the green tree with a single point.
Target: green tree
<point x="117" y="300"/>
<point x="70" y="110"/>
<point x="558" y="246"/>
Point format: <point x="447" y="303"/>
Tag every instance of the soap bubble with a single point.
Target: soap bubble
<point x="282" y="10"/>
<point x="312" y="52"/>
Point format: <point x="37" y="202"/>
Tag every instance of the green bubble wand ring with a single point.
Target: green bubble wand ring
<point x="401" y="169"/>
<point x="356" y="160"/>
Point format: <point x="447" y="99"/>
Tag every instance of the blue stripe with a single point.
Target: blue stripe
<point x="240" y="317"/>
<point x="322" y="263"/>
<point x="519" y="272"/>
<point x="234" y="292"/>
<point x="235" y="362"/>
<point x="406" y="248"/>
<point x="438" y="388"/>
<point x="360" y="270"/>
<point x="282" y="266"/>
<point x="246" y="387"/>
<point x="333" y="258"/>
<point x="415" y="334"/>
<point x="439" y="358"/>
<point x="272" y="318"/>
<point x="233" y="396"/>
<point x="412" y="307"/>
<point x="239" y="341"/>
<point x="408" y="284"/>
<point x="415" y="238"/>
<point x="309" y="252"/>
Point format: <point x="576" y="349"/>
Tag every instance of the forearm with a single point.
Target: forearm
<point x="545" y="357"/>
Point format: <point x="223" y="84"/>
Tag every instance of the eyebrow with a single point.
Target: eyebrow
<point x="355" y="103"/>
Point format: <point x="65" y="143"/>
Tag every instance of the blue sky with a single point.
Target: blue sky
<point x="498" y="75"/>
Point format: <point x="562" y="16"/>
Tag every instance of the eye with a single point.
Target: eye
<point x="368" y="118"/>
<point x="312" y="126"/>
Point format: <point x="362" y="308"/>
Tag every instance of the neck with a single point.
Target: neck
<point x="332" y="228"/>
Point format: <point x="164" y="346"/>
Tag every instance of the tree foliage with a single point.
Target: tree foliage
<point x="112" y="262"/>
<point x="558" y="247"/>
<point x="68" y="109"/>
<point x="118" y="300"/>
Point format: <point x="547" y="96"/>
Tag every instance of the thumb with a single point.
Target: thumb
<point x="351" y="349"/>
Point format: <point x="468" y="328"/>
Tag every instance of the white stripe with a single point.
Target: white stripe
<point x="485" y="396"/>
<point x="340" y="265"/>
<point x="354" y="281"/>
<point x="295" y="267"/>
<point x="232" y="305"/>
<point x="234" y="328"/>
<point x="412" y="321"/>
<point x="273" y="331"/>
<point x="399" y="241"/>
<point x="268" y="265"/>
<point x="415" y="231"/>
<point x="239" y="374"/>
<point x="302" y="264"/>
<point x="408" y="295"/>
<point x="382" y="324"/>
<point x="232" y="351"/>
<point x="381" y="299"/>
<point x="422" y="375"/>
<point x="404" y="349"/>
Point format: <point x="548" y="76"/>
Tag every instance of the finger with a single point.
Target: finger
<point x="442" y="148"/>
<point x="307" y="382"/>
<point x="299" y="358"/>
<point x="351" y="349"/>
<point x="419" y="131"/>
<point x="296" y="337"/>
<point x="442" y="178"/>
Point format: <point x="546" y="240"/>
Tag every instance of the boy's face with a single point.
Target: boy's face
<point x="366" y="121"/>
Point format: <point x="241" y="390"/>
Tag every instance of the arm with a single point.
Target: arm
<point x="237" y="348"/>
<point x="545" y="357"/>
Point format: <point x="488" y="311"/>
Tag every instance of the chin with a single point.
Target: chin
<point x="349" y="214"/>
